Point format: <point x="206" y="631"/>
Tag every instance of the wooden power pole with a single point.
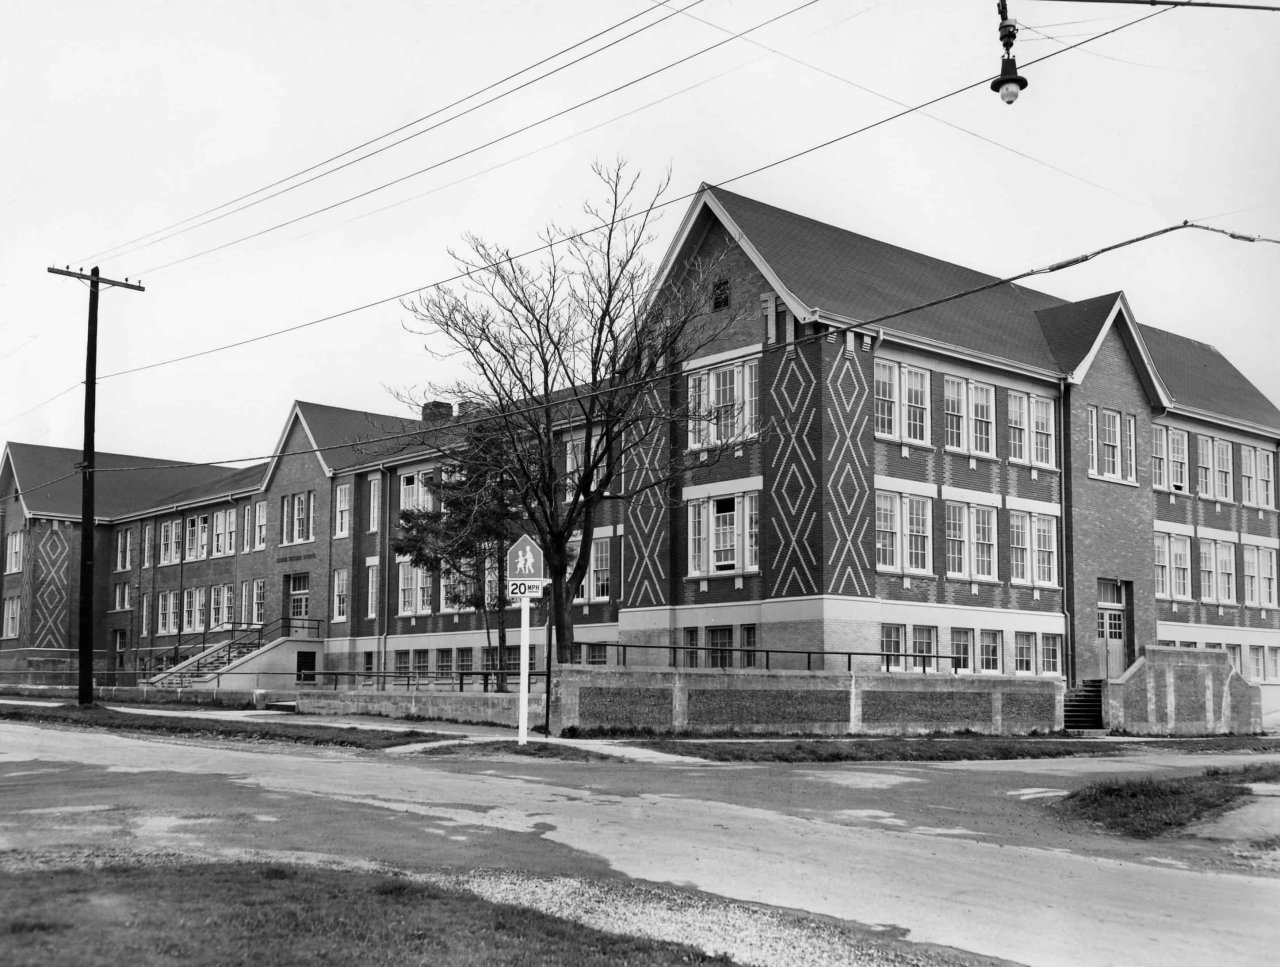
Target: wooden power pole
<point x="85" y="651"/>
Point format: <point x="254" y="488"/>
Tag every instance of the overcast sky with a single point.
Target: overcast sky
<point x="121" y="118"/>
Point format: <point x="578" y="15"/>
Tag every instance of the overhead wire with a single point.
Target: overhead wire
<point x="541" y="248"/>
<point x="830" y="329"/>
<point x="115" y="250"/>
<point x="480" y="147"/>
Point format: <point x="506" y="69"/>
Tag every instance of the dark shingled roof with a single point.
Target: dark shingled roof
<point x="357" y="437"/>
<point x="114" y="493"/>
<point x="861" y="278"/>
<point x="1199" y="376"/>
<point x="1072" y="329"/>
<point x="228" y="482"/>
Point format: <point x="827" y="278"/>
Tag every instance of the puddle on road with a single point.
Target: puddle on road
<point x="860" y="780"/>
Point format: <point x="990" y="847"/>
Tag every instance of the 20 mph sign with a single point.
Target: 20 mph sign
<point x="524" y="589"/>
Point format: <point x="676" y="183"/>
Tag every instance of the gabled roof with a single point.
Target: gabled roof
<point x="859" y="279"/>
<point x="1201" y="378"/>
<point x="37" y="470"/>
<point x="1072" y="329"/>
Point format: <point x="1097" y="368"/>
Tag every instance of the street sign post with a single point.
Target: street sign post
<point x="524" y="572"/>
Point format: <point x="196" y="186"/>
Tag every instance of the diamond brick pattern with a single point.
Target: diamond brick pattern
<point x="793" y="483"/>
<point x="849" y="480"/>
<point x="644" y="575"/>
<point x="52" y="595"/>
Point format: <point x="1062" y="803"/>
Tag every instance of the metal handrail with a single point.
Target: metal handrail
<point x="256" y="637"/>
<point x="891" y="660"/>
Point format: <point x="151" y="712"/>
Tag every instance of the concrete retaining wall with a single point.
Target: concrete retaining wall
<point x="147" y="694"/>
<point x="717" y="700"/>
<point x="1177" y="691"/>
<point x="496" y="708"/>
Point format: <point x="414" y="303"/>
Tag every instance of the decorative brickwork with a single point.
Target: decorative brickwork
<point x="52" y="598"/>
<point x="849" y="478"/>
<point x="792" y="480"/>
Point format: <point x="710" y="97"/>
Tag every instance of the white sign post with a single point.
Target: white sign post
<point x="524" y="573"/>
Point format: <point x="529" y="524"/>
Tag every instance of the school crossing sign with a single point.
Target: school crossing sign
<point x="524" y="569"/>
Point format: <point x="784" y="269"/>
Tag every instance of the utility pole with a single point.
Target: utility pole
<point x="85" y="652"/>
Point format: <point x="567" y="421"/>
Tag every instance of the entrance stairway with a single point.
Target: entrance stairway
<point x="210" y="662"/>
<point x="1082" y="707"/>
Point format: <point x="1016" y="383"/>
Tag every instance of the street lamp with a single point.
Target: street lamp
<point x="1010" y="83"/>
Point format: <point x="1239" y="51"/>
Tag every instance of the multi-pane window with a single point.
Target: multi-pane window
<point x="1050" y="650"/>
<point x="260" y="525"/>
<point x="197" y="537"/>
<point x="924" y="644"/>
<point x="246" y="544"/>
<point x="904" y="533"/>
<point x="1024" y="651"/>
<point x="194" y="607"/>
<point x="971" y="541"/>
<point x="962" y="649"/>
<point x="145" y="629"/>
<point x="341" y="593"/>
<point x="297" y="517"/>
<point x="342" y="510"/>
<point x="259" y="600"/>
<point x="1217" y="571"/>
<point x="891" y="645"/>
<point x="724" y="534"/>
<point x="1039" y="411"/>
<point x="1222" y="470"/>
<point x="1017" y="427"/>
<point x="1130" y="448"/>
<point x="444" y="661"/>
<point x="1160" y="457"/>
<point x="1028" y="533"/>
<point x="1259" y="576"/>
<point x="723" y="404"/>
<point x="13" y="552"/>
<point x="1204" y="463"/>
<point x="600" y="569"/>
<point x="720" y="647"/>
<point x="375" y="503"/>
<point x="12" y="614"/>
<point x="953" y="398"/>
<point x="1109" y="443"/>
<point x="120" y="597"/>
<point x="691" y="647"/>
<point x="166" y="612"/>
<point x="747" y="643"/>
<point x="1178" y="459"/>
<point x="148" y="536"/>
<point x="223" y="604"/>
<point x="902" y="402"/>
<point x="371" y="592"/>
<point x="1162" y="565"/>
<point x="170" y="542"/>
<point x="969" y="416"/>
<point x="1257" y="477"/>
<point x="415" y="589"/>
<point x="224" y="533"/>
<point x="989" y="651"/>
<point x="124" y="550"/>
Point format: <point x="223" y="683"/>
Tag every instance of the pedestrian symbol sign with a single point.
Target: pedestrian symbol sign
<point x="524" y="560"/>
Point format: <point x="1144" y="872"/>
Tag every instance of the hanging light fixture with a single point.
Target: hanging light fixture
<point x="1010" y="83"/>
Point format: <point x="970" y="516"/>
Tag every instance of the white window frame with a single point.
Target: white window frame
<point x="1033" y="527"/>
<point x="145" y="629"/>
<point x="1035" y="421"/>
<point x="1039" y="404"/>
<point x="13" y="552"/>
<point x="968" y="518"/>
<point x="371" y="591"/>
<point x="1223" y="472"/>
<point x="710" y="416"/>
<point x="1251" y="578"/>
<point x="1050" y="653"/>
<point x="1159" y="457"/>
<point x="1109" y="444"/>
<point x="910" y="513"/>
<point x="1222" y="559"/>
<point x="1178" y="448"/>
<point x="1130" y="462"/>
<point x="259" y="600"/>
<point x="1163" y="574"/>
<point x="700" y="519"/>
<point x="342" y="510"/>
<point x="375" y="504"/>
<point x="260" y="525"/>
<point x="601" y="550"/>
<point x="1257" y="473"/>
<point x="148" y="538"/>
<point x="341" y="594"/>
<point x="12" y="617"/>
<point x="124" y="550"/>
<point x="1019" y="407"/>
<point x="298" y="516"/>
<point x="120" y="596"/>
<point x="1267" y="576"/>
<point x="1024" y="652"/>
<point x="413" y="589"/>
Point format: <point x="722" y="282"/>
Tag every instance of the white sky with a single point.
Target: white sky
<point x="120" y="118"/>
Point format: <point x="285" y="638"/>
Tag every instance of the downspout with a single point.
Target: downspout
<point x="1068" y="581"/>
<point x="384" y="572"/>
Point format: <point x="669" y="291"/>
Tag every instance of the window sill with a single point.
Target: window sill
<point x="1030" y="465"/>
<point x="900" y="441"/>
<point x="1113" y="480"/>
<point x="960" y="578"/>
<point x="337" y="621"/>
<point x="1029" y="586"/>
<point x="711" y="575"/>
<point x="897" y="572"/>
<point x="971" y="454"/>
<point x="1210" y="499"/>
<point x="310" y="540"/>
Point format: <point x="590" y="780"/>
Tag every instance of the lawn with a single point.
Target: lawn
<point x="97" y="717"/>
<point x="1147" y="807"/>
<point x="260" y="914"/>
<point x="882" y="750"/>
<point x="534" y="750"/>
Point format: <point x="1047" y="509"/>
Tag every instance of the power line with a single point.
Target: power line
<point x="115" y="252"/>
<point x="488" y="144"/>
<point x="541" y="248"/>
<point x="815" y="337"/>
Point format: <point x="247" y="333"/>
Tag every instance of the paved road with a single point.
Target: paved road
<point x="964" y="855"/>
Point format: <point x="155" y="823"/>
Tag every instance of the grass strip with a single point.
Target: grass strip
<point x="534" y="750"/>
<point x="1146" y="807"/>
<point x="881" y="750"/>
<point x="229" y="914"/>
<point x="97" y="717"/>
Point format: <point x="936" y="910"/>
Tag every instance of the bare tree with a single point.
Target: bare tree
<point x="571" y="369"/>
